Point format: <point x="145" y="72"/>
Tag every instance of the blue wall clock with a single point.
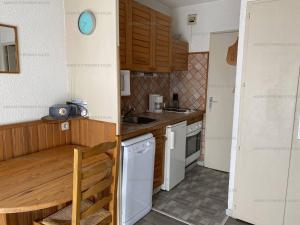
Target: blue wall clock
<point x="87" y="22"/>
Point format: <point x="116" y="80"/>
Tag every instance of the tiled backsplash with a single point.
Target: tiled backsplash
<point x="142" y="87"/>
<point x="190" y="86"/>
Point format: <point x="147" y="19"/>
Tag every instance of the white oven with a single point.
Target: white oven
<point x="193" y="142"/>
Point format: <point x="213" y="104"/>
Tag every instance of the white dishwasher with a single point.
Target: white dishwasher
<point x="137" y="178"/>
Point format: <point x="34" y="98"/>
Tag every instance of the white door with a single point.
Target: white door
<point x="292" y="211"/>
<point x="219" y="108"/>
<point x="270" y="82"/>
<point x="175" y="155"/>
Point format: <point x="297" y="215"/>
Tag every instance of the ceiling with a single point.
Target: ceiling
<point x="179" y="3"/>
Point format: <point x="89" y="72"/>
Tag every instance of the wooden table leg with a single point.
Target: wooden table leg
<point x="3" y="220"/>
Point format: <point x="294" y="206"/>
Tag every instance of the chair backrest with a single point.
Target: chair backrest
<point x="92" y="177"/>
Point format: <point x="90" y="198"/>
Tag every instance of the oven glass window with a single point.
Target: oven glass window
<point x="193" y="144"/>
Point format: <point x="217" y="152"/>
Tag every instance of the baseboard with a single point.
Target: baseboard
<point x="200" y="163"/>
<point x="156" y="190"/>
<point x="225" y="220"/>
<point x="229" y="212"/>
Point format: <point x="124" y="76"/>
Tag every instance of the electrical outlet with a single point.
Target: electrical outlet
<point x="65" y="126"/>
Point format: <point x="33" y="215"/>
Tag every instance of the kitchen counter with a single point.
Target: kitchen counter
<point x="129" y="130"/>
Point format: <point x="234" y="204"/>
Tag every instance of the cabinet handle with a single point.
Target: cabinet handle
<point x="172" y="140"/>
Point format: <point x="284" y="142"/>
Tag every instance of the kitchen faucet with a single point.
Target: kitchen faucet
<point x="128" y="111"/>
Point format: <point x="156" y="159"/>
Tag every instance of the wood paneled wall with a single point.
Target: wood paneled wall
<point x="25" y="138"/>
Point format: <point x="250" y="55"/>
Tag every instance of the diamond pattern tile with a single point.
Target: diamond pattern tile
<point x="191" y="85"/>
<point x="142" y="86"/>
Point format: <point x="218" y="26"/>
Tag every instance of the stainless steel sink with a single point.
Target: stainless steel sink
<point x="138" y="120"/>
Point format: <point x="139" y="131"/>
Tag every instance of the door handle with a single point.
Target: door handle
<point x="172" y="140"/>
<point x="298" y="135"/>
<point x="211" y="101"/>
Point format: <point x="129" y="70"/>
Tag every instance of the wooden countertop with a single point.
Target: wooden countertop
<point x="129" y="130"/>
<point x="39" y="180"/>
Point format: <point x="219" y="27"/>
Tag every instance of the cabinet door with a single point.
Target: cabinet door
<point x="270" y="83"/>
<point x="125" y="33"/>
<point x="142" y="38"/>
<point x="162" y="43"/>
<point x="159" y="157"/>
<point x="179" y="55"/>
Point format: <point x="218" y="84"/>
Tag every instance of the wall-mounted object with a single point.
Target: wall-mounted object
<point x="87" y="22"/>
<point x="232" y="53"/>
<point x="9" y="49"/>
<point x="192" y="19"/>
<point x="125" y="82"/>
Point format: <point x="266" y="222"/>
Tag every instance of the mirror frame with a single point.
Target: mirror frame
<point x="17" y="49"/>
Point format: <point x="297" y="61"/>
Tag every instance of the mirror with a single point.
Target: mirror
<point x="9" y="53"/>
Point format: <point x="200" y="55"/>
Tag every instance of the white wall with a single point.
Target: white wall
<point x="43" y="79"/>
<point x="216" y="16"/>
<point x="92" y="59"/>
<point x="157" y="5"/>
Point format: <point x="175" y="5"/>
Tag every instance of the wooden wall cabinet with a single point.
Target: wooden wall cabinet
<point x="180" y="51"/>
<point x="142" y="38"/>
<point x="125" y="33"/>
<point x="145" y="38"/>
<point x="162" y="43"/>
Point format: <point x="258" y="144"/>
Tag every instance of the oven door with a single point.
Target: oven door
<point x="193" y="146"/>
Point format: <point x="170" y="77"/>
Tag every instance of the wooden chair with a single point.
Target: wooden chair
<point x="93" y="181"/>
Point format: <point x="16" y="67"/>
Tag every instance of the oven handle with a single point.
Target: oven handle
<point x="193" y="133"/>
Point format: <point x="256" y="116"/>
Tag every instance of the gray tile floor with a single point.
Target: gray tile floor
<point x="154" y="218"/>
<point x="200" y="199"/>
<point x="231" y="221"/>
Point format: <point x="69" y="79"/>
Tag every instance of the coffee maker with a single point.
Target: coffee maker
<point x="156" y="103"/>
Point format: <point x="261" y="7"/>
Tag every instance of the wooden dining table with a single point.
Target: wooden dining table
<point x="39" y="180"/>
